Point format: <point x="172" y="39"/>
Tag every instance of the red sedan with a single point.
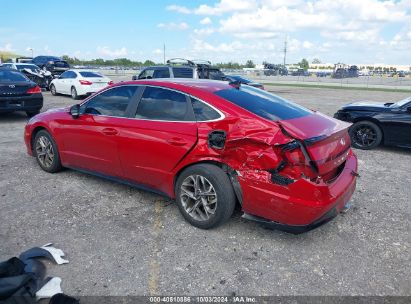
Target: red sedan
<point x="208" y="145"/>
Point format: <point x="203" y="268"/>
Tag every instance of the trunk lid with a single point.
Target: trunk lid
<point x="98" y="82"/>
<point x="326" y="140"/>
<point x="14" y="89"/>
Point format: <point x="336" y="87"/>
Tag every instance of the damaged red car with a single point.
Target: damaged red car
<point x="209" y="145"/>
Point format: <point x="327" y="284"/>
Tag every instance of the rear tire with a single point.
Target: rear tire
<point x="74" y="93"/>
<point x="205" y="196"/>
<point x="365" y="135"/>
<point x="46" y="152"/>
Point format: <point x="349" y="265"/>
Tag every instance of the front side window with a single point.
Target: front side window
<point x="162" y="104"/>
<point x="146" y="74"/>
<point x="203" y="112"/>
<point x="263" y="104"/>
<point x="65" y="75"/>
<point x="112" y="102"/>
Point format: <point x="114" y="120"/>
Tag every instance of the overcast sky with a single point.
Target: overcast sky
<point x="350" y="31"/>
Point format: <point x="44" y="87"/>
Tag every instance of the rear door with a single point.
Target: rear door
<point x="161" y="133"/>
<point x="90" y="142"/>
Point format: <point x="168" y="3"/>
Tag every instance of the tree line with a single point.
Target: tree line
<point x="125" y="62"/>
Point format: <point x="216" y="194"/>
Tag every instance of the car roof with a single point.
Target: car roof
<point x="205" y="85"/>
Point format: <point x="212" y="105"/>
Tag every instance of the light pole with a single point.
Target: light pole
<point x="32" y="52"/>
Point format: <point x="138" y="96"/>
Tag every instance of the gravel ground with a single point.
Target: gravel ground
<point x="122" y="241"/>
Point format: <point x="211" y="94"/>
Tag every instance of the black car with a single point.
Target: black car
<point x="18" y="93"/>
<point x="243" y="80"/>
<point x="374" y="123"/>
<point x="55" y="65"/>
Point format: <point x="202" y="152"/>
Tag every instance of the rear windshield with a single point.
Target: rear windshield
<point x="183" y="72"/>
<point x="11" y="76"/>
<point x="263" y="104"/>
<point x="90" y="75"/>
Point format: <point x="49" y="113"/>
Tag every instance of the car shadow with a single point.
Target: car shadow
<point x="13" y="117"/>
<point x="400" y="150"/>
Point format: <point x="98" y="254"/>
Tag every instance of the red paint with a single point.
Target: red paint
<point x="152" y="153"/>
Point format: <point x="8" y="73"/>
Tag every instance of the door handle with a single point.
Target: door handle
<point x="109" y="131"/>
<point x="177" y="141"/>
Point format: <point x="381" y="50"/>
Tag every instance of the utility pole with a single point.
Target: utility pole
<point x="285" y="50"/>
<point x="164" y="53"/>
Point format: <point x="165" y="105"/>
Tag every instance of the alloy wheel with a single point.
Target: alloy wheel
<point x="45" y="151"/>
<point x="364" y="136"/>
<point x="198" y="197"/>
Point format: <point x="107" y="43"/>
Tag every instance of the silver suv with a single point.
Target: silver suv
<point x="182" y="68"/>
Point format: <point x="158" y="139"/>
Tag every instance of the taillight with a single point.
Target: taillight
<point x="111" y="82"/>
<point x="34" y="90"/>
<point x="85" y="82"/>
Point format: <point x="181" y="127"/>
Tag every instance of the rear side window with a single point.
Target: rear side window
<point x="162" y="104"/>
<point x="263" y="104"/>
<point x="162" y="73"/>
<point x="90" y="75"/>
<point x="113" y="102"/>
<point x="183" y="72"/>
<point x="203" y="112"/>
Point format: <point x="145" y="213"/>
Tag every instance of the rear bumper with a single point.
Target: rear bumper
<point x="88" y="90"/>
<point x="300" y="206"/>
<point x="23" y="103"/>
<point x="290" y="228"/>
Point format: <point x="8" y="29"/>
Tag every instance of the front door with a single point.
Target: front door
<point x="90" y="142"/>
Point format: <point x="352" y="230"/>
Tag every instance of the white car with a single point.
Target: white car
<point x="79" y="83"/>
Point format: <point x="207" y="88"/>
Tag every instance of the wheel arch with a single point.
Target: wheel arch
<point x="373" y="120"/>
<point x="36" y="130"/>
<point x="231" y="173"/>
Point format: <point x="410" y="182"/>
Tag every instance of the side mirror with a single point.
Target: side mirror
<point x="75" y="111"/>
<point x="134" y="77"/>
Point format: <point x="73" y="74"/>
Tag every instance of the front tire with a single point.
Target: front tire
<point x="205" y="196"/>
<point x="46" y="152"/>
<point x="74" y="94"/>
<point x="53" y="90"/>
<point x="32" y="113"/>
<point x="365" y="135"/>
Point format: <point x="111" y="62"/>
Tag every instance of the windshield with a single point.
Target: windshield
<point x="90" y="75"/>
<point x="401" y="103"/>
<point x="11" y="76"/>
<point x="263" y="104"/>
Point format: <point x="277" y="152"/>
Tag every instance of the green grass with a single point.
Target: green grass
<point x="318" y="86"/>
